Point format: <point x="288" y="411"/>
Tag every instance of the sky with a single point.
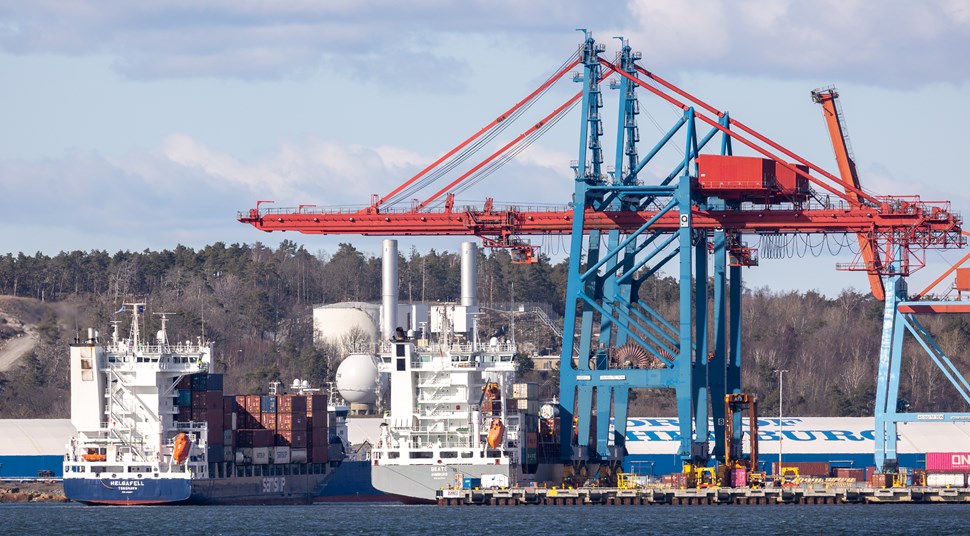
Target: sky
<point x="150" y="124"/>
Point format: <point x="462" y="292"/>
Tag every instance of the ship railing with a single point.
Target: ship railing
<point x="425" y="346"/>
<point x="168" y="363"/>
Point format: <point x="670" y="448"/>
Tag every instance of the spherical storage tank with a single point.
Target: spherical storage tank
<point x="358" y="379"/>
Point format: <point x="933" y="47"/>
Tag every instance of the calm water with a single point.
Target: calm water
<point x="924" y="520"/>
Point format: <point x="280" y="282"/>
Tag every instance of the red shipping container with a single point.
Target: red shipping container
<point x="199" y="399"/>
<point x="316" y="403"/>
<point x="185" y="414"/>
<point x="244" y="438"/>
<point x="241" y="402"/>
<point x="948" y="462"/>
<point x="199" y="414"/>
<point x="859" y="475"/>
<point x="291" y="438"/>
<point x="292" y="404"/>
<point x="804" y="468"/>
<point x="268" y="421"/>
<point x="184" y="383"/>
<point x="229" y="404"/>
<point x="725" y="173"/>
<point x="214" y="436"/>
<point x="264" y="438"/>
<point x="789" y="181"/>
<point x="255" y="438"/>
<point x="252" y="404"/>
<point x="299" y="404"/>
<point x="214" y="401"/>
<point x="963" y="279"/>
<point x="319" y="436"/>
<point x="319" y="454"/>
<point x="290" y="421"/>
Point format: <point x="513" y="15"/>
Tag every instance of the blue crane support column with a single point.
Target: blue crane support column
<point x="602" y="296"/>
<point x="626" y="152"/>
<point x="900" y="318"/>
<point x="717" y="373"/>
<point x="887" y="378"/>
<point x="576" y="287"/>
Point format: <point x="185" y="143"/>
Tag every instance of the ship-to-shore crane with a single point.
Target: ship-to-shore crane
<point x="689" y="217"/>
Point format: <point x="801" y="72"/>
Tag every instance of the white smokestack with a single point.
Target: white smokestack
<point x="389" y="289"/>
<point x="469" y="274"/>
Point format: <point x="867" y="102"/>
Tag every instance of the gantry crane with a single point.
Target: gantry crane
<point x="626" y="226"/>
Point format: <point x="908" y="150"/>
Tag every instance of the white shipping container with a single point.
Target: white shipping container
<point x="945" y="480"/>
<point x="528" y="390"/>
<point x="261" y="455"/>
<point x="298" y="456"/>
<point x="281" y="454"/>
<point x="529" y="407"/>
<point x="495" y="481"/>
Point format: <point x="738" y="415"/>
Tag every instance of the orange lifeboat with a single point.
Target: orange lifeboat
<point x="93" y="456"/>
<point x="495" y="433"/>
<point x="181" y="450"/>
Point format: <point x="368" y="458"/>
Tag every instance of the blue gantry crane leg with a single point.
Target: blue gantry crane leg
<point x="899" y="319"/>
<point x="603" y="308"/>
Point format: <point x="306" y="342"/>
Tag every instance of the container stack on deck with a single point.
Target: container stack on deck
<point x="947" y="469"/>
<point x="255" y="429"/>
<point x="526" y="396"/>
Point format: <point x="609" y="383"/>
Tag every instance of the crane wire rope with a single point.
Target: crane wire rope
<point x="462" y="156"/>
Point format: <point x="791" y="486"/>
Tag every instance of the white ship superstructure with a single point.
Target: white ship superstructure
<point x="124" y="407"/>
<point x="449" y="417"/>
<point x="451" y="414"/>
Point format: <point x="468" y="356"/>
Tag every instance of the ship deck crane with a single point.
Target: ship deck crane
<point x="625" y="227"/>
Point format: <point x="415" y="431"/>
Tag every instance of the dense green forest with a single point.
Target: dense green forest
<point x="255" y="303"/>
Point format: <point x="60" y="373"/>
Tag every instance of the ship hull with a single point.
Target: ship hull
<point x="127" y="492"/>
<point x="263" y="490"/>
<point x="420" y="483"/>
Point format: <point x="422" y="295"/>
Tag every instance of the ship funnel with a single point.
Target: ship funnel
<point x="469" y="274"/>
<point x="389" y="289"/>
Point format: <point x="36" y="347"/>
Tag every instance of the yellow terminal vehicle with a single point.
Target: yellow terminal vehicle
<point x="789" y="476"/>
<point x="701" y="477"/>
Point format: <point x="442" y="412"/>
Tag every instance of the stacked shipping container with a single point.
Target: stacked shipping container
<point x="947" y="469"/>
<point x="256" y="429"/>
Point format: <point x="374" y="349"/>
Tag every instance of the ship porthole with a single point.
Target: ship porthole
<point x="139" y="475"/>
<point x="114" y="475"/>
<point x="439" y="461"/>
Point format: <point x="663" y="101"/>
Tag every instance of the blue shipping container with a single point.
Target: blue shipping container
<point x="214" y="383"/>
<point x="185" y="398"/>
<point x="267" y="404"/>
<point x="471" y="483"/>
<point x="200" y="382"/>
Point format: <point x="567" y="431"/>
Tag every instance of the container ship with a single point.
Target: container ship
<point x="155" y="427"/>
<point x="456" y="417"/>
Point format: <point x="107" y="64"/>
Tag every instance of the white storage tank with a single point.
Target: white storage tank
<point x="354" y="326"/>
<point x="358" y="379"/>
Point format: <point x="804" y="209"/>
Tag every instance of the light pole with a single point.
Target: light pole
<point x="781" y="425"/>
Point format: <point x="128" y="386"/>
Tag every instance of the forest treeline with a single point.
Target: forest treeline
<point x="256" y="302"/>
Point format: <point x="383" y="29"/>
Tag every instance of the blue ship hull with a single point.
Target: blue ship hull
<point x="110" y="491"/>
<point x="352" y="483"/>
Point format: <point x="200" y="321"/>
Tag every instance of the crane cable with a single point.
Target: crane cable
<point x="467" y="152"/>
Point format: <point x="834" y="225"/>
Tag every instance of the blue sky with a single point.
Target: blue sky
<point x="144" y="125"/>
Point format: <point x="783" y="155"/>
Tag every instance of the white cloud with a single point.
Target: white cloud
<point x="893" y="42"/>
<point x="386" y="40"/>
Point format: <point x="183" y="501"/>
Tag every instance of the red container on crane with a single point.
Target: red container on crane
<point x="789" y="181"/>
<point x="735" y="177"/>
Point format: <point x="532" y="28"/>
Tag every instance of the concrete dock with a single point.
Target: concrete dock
<point x="720" y="496"/>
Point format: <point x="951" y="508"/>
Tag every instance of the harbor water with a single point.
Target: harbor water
<point x="373" y="519"/>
